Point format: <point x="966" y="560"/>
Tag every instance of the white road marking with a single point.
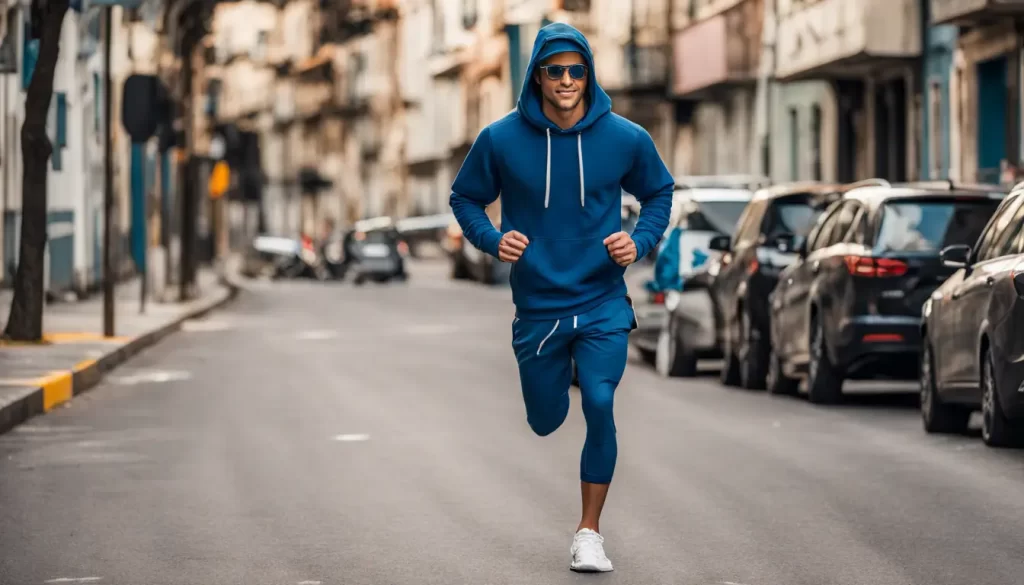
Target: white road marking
<point x="309" y="583"/>
<point x="157" y="376"/>
<point x="75" y="580"/>
<point x="352" y="438"/>
<point x="317" y="335"/>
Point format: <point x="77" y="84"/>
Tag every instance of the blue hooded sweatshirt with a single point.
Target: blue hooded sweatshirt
<point x="562" y="189"/>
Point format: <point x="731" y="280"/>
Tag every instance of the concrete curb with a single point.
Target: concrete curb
<point x="85" y="375"/>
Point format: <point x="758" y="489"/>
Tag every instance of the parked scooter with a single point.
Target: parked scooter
<point x="283" y="258"/>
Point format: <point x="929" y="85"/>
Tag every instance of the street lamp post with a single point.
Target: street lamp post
<point x="108" y="176"/>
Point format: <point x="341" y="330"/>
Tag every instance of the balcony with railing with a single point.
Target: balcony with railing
<point x="718" y="51"/>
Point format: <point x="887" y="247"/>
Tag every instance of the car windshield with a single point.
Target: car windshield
<point x="794" y="215"/>
<point x="716" y="216"/>
<point x="929" y="226"/>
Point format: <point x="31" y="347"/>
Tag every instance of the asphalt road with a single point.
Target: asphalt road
<point x="326" y="434"/>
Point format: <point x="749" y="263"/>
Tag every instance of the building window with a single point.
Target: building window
<point x="816" y="142"/>
<point x="934" y="130"/>
<point x="794" y="145"/>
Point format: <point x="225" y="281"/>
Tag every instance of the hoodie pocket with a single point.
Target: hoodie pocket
<point x="559" y="268"/>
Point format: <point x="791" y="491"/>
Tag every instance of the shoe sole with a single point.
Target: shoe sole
<point x="588" y="569"/>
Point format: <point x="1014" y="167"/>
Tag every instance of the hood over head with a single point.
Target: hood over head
<point x="552" y="39"/>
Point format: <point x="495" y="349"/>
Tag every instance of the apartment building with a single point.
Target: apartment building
<point x="75" y="179"/>
<point x="716" y="51"/>
<point x="868" y="50"/>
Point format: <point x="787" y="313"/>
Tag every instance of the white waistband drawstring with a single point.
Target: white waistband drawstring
<point x="548" y="336"/>
<point x="547" y="173"/>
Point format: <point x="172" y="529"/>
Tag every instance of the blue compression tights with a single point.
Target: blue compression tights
<point x="598" y="342"/>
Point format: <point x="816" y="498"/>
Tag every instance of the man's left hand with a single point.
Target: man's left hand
<point x="621" y="248"/>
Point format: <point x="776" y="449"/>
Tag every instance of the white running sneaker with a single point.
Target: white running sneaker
<point x="588" y="553"/>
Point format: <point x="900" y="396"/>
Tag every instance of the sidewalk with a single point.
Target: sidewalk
<point x="36" y="378"/>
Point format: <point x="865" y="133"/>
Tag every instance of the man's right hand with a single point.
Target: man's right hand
<point x="511" y="246"/>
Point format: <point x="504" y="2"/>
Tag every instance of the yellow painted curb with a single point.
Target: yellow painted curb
<point x="83" y="365"/>
<point x="56" y="390"/>
<point x="73" y="337"/>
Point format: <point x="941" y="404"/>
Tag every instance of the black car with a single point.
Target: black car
<point x="972" y="350"/>
<point x="372" y="250"/>
<point x="850" y="307"/>
<point x="749" y="268"/>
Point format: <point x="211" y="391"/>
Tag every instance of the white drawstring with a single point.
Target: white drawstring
<point x="553" y="329"/>
<point x="579" y="150"/>
<point x="574" y="321"/>
<point x="547" y="174"/>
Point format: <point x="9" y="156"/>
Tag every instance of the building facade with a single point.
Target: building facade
<point x="716" y="52"/>
<point x="985" y="89"/>
<point x="868" y="51"/>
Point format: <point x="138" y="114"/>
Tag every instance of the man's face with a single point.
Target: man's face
<point x="564" y="92"/>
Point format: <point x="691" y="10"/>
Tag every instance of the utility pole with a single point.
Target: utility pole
<point x="108" y="177"/>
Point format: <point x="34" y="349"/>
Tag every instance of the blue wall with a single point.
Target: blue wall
<point x="940" y="42"/>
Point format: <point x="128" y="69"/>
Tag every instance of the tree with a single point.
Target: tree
<point x="25" y="322"/>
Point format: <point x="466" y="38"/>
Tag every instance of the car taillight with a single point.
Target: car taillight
<point x="874" y="267"/>
<point x="658" y="298"/>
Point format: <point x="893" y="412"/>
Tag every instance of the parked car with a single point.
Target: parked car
<point x="699" y="214"/>
<point x="751" y="263"/>
<point x="972" y="333"/>
<point x="850" y="306"/>
<point x="470" y="263"/>
<point x="372" y="250"/>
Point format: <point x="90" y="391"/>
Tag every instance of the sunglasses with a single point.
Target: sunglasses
<point x="555" y="72"/>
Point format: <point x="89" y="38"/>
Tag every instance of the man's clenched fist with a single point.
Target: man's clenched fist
<point x="621" y="248"/>
<point x="511" y="246"/>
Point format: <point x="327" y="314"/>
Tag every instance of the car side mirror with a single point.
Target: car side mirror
<point x="720" y="243"/>
<point x="957" y="256"/>
<point x="786" y="243"/>
<point x="1017" y="274"/>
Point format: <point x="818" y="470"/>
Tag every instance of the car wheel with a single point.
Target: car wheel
<point x="936" y="416"/>
<point x="996" y="429"/>
<point x="777" y="382"/>
<point x="672" y="360"/>
<point x="824" y="381"/>
<point x="730" y="375"/>
<point x="648" y="356"/>
<point x="459" y="269"/>
<point x="752" y="356"/>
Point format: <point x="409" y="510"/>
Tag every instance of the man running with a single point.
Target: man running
<point x="560" y="160"/>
